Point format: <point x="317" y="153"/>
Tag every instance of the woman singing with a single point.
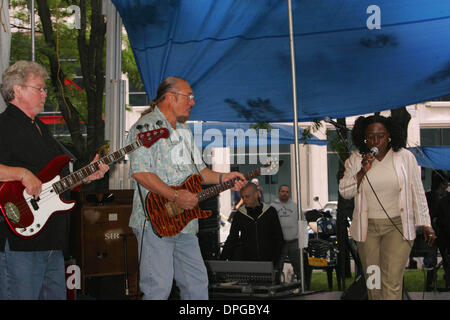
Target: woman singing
<point x="383" y="178"/>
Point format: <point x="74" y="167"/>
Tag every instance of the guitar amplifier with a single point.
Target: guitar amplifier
<point x="101" y="223"/>
<point x="242" y="272"/>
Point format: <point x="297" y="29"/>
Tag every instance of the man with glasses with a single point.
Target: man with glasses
<point x="33" y="268"/>
<point x="169" y="162"/>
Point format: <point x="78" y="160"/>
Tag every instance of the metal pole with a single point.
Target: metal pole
<point x="297" y="162"/>
<point x="33" y="24"/>
<point x="115" y="91"/>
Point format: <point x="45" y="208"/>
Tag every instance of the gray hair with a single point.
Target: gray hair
<point x="165" y="86"/>
<point x="18" y="74"/>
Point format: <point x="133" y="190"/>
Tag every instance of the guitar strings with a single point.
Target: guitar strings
<point x="44" y="195"/>
<point x="47" y="194"/>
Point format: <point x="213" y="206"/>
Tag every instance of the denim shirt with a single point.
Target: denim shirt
<point x="170" y="159"/>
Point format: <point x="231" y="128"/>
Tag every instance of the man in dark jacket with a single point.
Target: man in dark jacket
<point x="255" y="233"/>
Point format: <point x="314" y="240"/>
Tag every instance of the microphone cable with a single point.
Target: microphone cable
<point x="382" y="207"/>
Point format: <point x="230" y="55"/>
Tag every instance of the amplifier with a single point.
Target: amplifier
<point x="248" y="272"/>
<point x="100" y="226"/>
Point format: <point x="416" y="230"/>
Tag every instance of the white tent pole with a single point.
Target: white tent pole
<point x="5" y="44"/>
<point x="297" y="162"/>
<point x="33" y="24"/>
<point x="115" y="93"/>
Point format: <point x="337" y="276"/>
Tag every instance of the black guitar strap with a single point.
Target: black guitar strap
<point x="73" y="159"/>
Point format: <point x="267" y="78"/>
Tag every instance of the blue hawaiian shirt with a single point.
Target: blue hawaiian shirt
<point x="170" y="159"/>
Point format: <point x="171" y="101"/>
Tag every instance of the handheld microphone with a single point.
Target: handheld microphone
<point x="374" y="151"/>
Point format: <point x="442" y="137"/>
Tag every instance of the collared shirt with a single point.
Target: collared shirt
<point x="170" y="159"/>
<point x="411" y="201"/>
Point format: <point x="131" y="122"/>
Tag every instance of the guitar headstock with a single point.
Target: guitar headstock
<point x="148" y="138"/>
<point x="271" y="167"/>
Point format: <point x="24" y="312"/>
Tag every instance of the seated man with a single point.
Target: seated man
<point x="255" y="233"/>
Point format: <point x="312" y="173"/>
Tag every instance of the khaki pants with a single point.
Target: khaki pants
<point x="384" y="248"/>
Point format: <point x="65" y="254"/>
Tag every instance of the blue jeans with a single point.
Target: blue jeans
<point x="32" y="275"/>
<point x="167" y="258"/>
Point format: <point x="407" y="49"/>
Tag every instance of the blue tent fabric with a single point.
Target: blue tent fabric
<point x="228" y="134"/>
<point x="236" y="55"/>
<point x="435" y="157"/>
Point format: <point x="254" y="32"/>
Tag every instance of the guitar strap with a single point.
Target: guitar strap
<point x="68" y="153"/>
<point x="144" y="207"/>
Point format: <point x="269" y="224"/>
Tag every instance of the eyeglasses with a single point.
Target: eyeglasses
<point x="41" y="90"/>
<point x="189" y="96"/>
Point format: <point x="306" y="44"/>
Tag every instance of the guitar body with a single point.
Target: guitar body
<point x="168" y="220"/>
<point x="25" y="216"/>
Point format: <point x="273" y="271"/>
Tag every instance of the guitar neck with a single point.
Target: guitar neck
<point x="77" y="177"/>
<point x="215" y="190"/>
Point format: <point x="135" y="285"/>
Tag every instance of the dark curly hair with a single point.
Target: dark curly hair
<point x="398" y="138"/>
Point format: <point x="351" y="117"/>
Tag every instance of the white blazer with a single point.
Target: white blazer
<point x="412" y="201"/>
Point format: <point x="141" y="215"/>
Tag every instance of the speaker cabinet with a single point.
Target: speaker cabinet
<point x="211" y="223"/>
<point x="102" y="237"/>
<point x="209" y="228"/>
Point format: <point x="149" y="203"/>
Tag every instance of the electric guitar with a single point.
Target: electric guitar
<point x="168" y="220"/>
<point x="27" y="216"/>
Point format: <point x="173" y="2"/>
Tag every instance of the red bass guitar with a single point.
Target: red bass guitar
<point x="27" y="216"/>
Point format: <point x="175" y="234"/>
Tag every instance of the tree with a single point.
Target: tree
<point x="89" y="59"/>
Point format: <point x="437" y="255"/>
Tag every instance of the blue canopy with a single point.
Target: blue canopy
<point x="236" y="54"/>
<point x="435" y="157"/>
<point x="227" y="134"/>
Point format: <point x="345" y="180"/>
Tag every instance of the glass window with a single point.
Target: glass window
<point x="333" y="168"/>
<point x="244" y="162"/>
<point x="138" y="99"/>
<point x="432" y="137"/>
<point x="333" y="162"/>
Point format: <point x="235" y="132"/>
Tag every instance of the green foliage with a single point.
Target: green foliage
<point x="129" y="64"/>
<point x="67" y="52"/>
<point x="307" y="133"/>
<point x="263" y="126"/>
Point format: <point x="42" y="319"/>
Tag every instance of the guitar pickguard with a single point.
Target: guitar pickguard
<point x="48" y="204"/>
